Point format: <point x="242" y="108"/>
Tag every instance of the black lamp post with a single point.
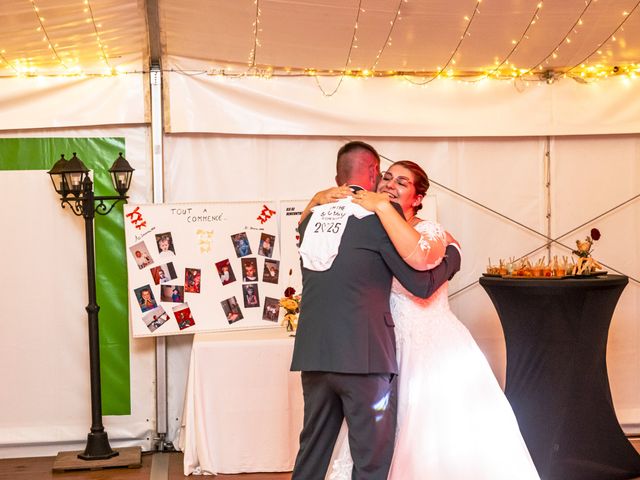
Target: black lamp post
<point x="71" y="180"/>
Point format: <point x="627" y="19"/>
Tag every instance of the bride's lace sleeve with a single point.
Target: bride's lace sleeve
<point x="423" y="256"/>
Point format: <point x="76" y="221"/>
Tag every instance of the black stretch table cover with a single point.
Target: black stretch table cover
<point x="556" y="337"/>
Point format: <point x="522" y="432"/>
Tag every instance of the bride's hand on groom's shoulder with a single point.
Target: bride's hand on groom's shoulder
<point x="329" y="195"/>
<point x="332" y="194"/>
<point x="371" y="201"/>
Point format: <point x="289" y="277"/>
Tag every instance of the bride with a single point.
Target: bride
<point x="454" y="422"/>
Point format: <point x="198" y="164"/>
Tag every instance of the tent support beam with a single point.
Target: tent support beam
<point x="158" y="197"/>
<point x="547" y="191"/>
<point x="155" y="62"/>
<point x="153" y="24"/>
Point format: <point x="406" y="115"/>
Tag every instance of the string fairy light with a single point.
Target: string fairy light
<point x="517" y="43"/>
<point x="348" y="61"/>
<point x="387" y="41"/>
<point x="464" y="35"/>
<point x="469" y="76"/>
<point x="4" y="59"/>
<point x="626" y="15"/>
<point x="554" y="51"/>
<point x="103" y="54"/>
<point x="586" y="69"/>
<point x="256" y="41"/>
<point x="46" y="37"/>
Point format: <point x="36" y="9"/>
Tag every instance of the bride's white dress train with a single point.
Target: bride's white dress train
<point x="454" y="422"/>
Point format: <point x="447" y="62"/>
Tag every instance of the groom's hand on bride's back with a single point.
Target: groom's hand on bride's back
<point x="453" y="258"/>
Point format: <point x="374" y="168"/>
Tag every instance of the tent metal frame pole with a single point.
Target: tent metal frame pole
<point x="157" y="172"/>
<point x="158" y="197"/>
<point x="547" y="190"/>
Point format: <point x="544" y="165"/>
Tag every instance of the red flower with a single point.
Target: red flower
<point x="289" y="292"/>
<point x="595" y="234"/>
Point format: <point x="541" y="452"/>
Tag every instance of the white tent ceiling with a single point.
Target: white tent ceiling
<point x="287" y="37"/>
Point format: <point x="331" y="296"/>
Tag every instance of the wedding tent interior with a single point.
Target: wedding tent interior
<point x="523" y="113"/>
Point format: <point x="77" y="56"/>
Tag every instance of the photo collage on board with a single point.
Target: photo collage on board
<point x="250" y="276"/>
<point x="190" y="264"/>
<point x="160" y="260"/>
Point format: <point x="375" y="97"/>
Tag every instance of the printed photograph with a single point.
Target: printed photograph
<point x="192" y="280"/>
<point x="271" y="309"/>
<point x="241" y="244"/>
<point x="267" y="243"/>
<point x="145" y="298"/>
<point x="141" y="255"/>
<point x="172" y="293"/>
<point x="225" y="272"/>
<point x="271" y="271"/>
<point x="183" y="316"/>
<point x="249" y="269"/>
<point x="165" y="245"/>
<point x="163" y="273"/>
<point x="231" y="310"/>
<point x="250" y="295"/>
<point x="155" y="318"/>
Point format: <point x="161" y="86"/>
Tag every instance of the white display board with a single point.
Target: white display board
<point x="204" y="267"/>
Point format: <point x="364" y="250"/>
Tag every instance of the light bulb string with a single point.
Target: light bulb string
<point x="388" y="39"/>
<point x="46" y="35"/>
<point x="462" y="37"/>
<point x="4" y="59"/>
<point x="517" y="44"/>
<point x="605" y="40"/>
<point x="98" y="40"/>
<point x="564" y="38"/>
<point x="346" y="65"/>
<point x="256" y="23"/>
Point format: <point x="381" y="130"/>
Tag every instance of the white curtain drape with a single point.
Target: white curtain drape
<point x="53" y="102"/>
<point x="396" y="107"/>
<point x="589" y="175"/>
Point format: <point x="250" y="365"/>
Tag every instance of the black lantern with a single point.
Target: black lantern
<point x="121" y="173"/>
<point x="74" y="174"/>
<point x="57" y="176"/>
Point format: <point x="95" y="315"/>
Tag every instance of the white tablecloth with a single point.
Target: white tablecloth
<point x="243" y="407"/>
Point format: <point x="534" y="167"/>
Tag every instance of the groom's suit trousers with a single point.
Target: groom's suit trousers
<point x="368" y="403"/>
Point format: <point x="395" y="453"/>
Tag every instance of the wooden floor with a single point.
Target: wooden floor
<point x="39" y="468"/>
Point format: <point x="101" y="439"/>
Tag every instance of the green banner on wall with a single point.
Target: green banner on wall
<point x="98" y="154"/>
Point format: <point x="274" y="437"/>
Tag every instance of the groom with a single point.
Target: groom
<point x="345" y="343"/>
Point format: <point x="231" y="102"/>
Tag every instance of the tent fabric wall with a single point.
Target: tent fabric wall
<point x="503" y="174"/>
<point x="50" y="102"/>
<point x="395" y="107"/>
<point x="45" y="356"/>
<point x="592" y="175"/>
<point x="251" y="139"/>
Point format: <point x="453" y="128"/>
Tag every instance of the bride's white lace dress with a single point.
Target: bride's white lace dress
<point x="454" y="422"/>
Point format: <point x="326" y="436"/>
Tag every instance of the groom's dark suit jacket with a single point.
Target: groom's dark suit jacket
<point x="345" y="322"/>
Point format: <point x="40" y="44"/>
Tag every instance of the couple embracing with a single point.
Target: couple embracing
<point x="380" y="350"/>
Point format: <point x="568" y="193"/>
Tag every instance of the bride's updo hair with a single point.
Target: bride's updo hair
<point x="420" y="179"/>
